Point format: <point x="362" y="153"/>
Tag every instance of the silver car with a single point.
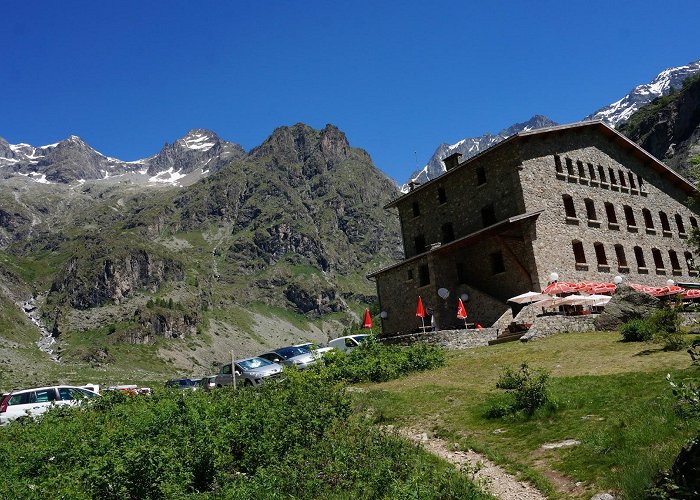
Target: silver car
<point x="249" y="372"/>
<point x="300" y="357"/>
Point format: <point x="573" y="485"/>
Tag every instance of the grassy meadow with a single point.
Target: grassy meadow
<point x="613" y="397"/>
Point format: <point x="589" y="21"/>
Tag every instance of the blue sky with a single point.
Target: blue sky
<point x="398" y="78"/>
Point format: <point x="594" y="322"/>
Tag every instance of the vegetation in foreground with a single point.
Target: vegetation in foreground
<point x="293" y="438"/>
<point x="611" y="396"/>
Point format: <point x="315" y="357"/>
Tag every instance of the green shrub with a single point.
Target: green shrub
<point x="527" y="391"/>
<point x="636" y="330"/>
<point x="666" y="325"/>
<point x="293" y="439"/>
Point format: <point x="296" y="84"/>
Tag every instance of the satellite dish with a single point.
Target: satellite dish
<point x="443" y="293"/>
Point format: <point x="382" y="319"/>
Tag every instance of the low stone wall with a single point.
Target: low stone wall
<point x="690" y="318"/>
<point x="449" y="339"/>
<point x="544" y="326"/>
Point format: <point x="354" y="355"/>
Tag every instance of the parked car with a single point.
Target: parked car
<point x="348" y="343"/>
<point x="208" y="382"/>
<point x="184" y="384"/>
<point x="300" y="357"/>
<point x="36" y="401"/>
<point x="315" y="348"/>
<point x="249" y="371"/>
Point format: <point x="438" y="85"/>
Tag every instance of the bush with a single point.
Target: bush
<point x="295" y="439"/>
<point x="636" y="330"/>
<point x="527" y="391"/>
<point x="376" y="362"/>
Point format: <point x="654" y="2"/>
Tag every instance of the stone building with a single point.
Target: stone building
<point x="580" y="200"/>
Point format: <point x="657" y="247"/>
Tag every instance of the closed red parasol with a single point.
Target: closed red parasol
<point x="368" y="320"/>
<point x="420" y="312"/>
<point x="461" y="310"/>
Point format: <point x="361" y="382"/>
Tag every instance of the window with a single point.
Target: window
<point x="423" y="275"/>
<point x="639" y="257"/>
<point x="673" y="257"/>
<point x="658" y="261"/>
<point x="420" y="243"/>
<point x="689" y="262"/>
<point x="579" y="254"/>
<point x="46" y="395"/>
<point x="569" y="208"/>
<point x="557" y="164"/>
<point x="629" y="216"/>
<point x="226" y="370"/>
<point x="581" y="171"/>
<point x="611" y="173"/>
<point x="631" y="178"/>
<point x="409" y="275"/>
<point x="448" y="232"/>
<point x="590" y="209"/>
<point x="648" y="221"/>
<point x="416" y="209"/>
<point x="569" y="167"/>
<point x="442" y="196"/>
<point x="480" y="176"/>
<point x="600" y="254"/>
<point x="665" y="226"/>
<point x="488" y="215"/>
<point x="620" y="255"/>
<point x="641" y="183"/>
<point x="497" y="264"/>
<point x="693" y="223"/>
<point x="623" y="182"/>
<point x="679" y="224"/>
<point x="610" y="213"/>
<point x="461" y="272"/>
<point x="591" y="171"/>
<point x="601" y="173"/>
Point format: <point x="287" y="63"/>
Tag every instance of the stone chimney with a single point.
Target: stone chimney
<point x="451" y="161"/>
<point x="413" y="185"/>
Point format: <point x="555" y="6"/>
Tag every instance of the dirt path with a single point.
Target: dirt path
<point x="494" y="479"/>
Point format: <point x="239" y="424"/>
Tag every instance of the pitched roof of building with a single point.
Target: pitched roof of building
<point x="622" y="141"/>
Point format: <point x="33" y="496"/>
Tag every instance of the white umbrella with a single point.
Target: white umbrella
<point x="598" y="300"/>
<point x="527" y="297"/>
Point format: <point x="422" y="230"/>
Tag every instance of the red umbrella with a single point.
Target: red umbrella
<point x="669" y="290"/>
<point x="420" y="312"/>
<point x="559" y="287"/>
<point x="368" y="320"/>
<point x="691" y="294"/>
<point x="601" y="288"/>
<point x="461" y="310"/>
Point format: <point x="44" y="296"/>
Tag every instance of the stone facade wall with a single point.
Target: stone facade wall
<point x="544" y="187"/>
<point x="544" y="326"/>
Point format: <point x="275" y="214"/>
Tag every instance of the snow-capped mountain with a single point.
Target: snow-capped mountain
<point x="472" y="146"/>
<point x="71" y="160"/>
<point x="620" y="111"/>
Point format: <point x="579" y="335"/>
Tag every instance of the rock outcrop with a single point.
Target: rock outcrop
<point x="626" y="304"/>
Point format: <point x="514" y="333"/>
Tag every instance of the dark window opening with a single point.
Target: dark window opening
<point x="590" y="209"/>
<point x="611" y="173"/>
<point x="689" y="261"/>
<point x="480" y="176"/>
<point x="664" y="221"/>
<point x="410" y="275"/>
<point x="569" y="208"/>
<point x="461" y="273"/>
<point x="581" y="171"/>
<point x="569" y="166"/>
<point x="601" y="173"/>
<point x="610" y="212"/>
<point x="620" y="254"/>
<point x="442" y="196"/>
<point x="648" y="221"/>
<point x="673" y="257"/>
<point x="416" y="209"/>
<point x="658" y="261"/>
<point x="600" y="254"/>
<point x="631" y="178"/>
<point x="497" y="264"/>
<point x="639" y="257"/>
<point x="693" y="223"/>
<point x="488" y="215"/>
<point x="591" y="171"/>
<point x="423" y="275"/>
<point x="679" y="224"/>
<point x="629" y="216"/>
<point x="557" y="164"/>
<point x="579" y="254"/>
<point x="448" y="232"/>
<point x="420" y="243"/>
<point x="640" y="182"/>
<point x="623" y="182"/>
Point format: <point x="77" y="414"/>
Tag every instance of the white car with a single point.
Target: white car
<point x="348" y="343"/>
<point x="315" y="349"/>
<point x="36" y="401"/>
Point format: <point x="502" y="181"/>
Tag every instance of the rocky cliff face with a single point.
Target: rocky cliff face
<point x="669" y="128"/>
